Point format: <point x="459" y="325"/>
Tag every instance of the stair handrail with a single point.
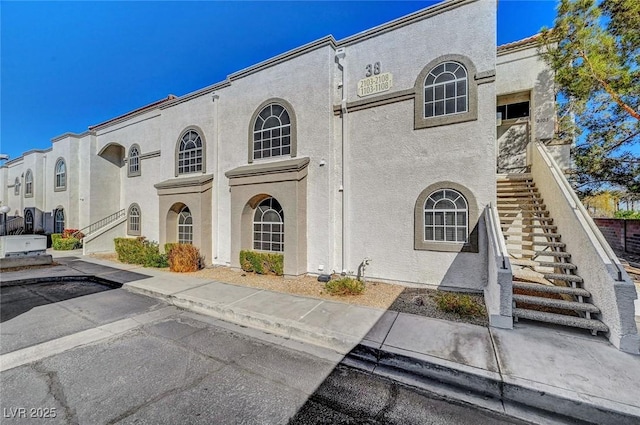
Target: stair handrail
<point x="499" y="245"/>
<point x="576" y="204"/>
<point x="12" y="224"/>
<point x="100" y="223"/>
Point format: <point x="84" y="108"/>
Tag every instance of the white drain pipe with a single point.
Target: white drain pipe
<point x="342" y="64"/>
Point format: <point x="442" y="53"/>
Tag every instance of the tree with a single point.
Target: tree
<point x="594" y="50"/>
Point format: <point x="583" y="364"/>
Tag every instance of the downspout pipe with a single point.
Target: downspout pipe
<point x="341" y="58"/>
<point x="215" y="98"/>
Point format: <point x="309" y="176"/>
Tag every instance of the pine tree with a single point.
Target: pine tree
<point x="594" y="50"/>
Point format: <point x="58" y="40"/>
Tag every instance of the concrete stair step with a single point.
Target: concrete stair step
<point x="530" y="226"/>
<point x="531" y="206"/>
<point x="552" y="289"/>
<point x="531" y="253"/>
<point x="560" y="319"/>
<point x="514" y="177"/>
<point x="534" y="263"/>
<point x="538" y="243"/>
<point x="517" y="191"/>
<point x="510" y="211"/>
<point x="563" y="277"/>
<point x="551" y="302"/>
<point x="533" y="235"/>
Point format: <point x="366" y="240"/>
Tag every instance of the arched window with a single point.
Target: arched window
<point x="185" y="226"/>
<point x="446" y="217"/>
<point x="16" y="186"/>
<point x="28" y="221"/>
<point x="190" y="153"/>
<point x="272" y="132"/>
<point x="134" y="161"/>
<point x="268" y="226"/>
<point x="28" y="183"/>
<point x="134" y="224"/>
<point x="61" y="175"/>
<point x="58" y="222"/>
<point x="446" y="90"/>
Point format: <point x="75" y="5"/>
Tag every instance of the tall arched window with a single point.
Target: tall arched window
<point x="28" y="221"/>
<point x="28" y="183"/>
<point x="190" y="153"/>
<point x="268" y="226"/>
<point x="185" y="226"/>
<point x="446" y="217"/>
<point x="61" y="175"/>
<point x="134" y="222"/>
<point x="16" y="186"/>
<point x="134" y="161"/>
<point x="445" y="90"/>
<point x="58" y="222"/>
<point x="272" y="132"/>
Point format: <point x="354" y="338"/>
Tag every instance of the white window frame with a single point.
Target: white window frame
<point x="134" y="225"/>
<point x="443" y="219"/>
<point x="185" y="226"/>
<point x="60" y="182"/>
<point x="58" y="221"/>
<point x="190" y="153"/>
<point x="134" y="161"/>
<point x="449" y="89"/>
<point x="28" y="183"/>
<point x="274" y="140"/>
<point x="268" y="235"/>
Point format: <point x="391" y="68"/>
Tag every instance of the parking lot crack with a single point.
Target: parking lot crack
<point x="56" y="390"/>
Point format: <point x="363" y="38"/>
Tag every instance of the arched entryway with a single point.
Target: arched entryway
<point x="28" y="221"/>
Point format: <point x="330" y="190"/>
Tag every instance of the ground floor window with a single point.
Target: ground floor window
<point x="28" y="221"/>
<point x="268" y="226"/>
<point x="58" y="223"/>
<point x="134" y="220"/>
<point x="185" y="226"/>
<point x="446" y="217"/>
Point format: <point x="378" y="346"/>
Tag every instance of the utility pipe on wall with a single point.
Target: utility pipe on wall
<point x="215" y="98"/>
<point x="341" y="56"/>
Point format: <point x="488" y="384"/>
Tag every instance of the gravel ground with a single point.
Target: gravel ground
<point x="377" y="294"/>
<point x="421" y="301"/>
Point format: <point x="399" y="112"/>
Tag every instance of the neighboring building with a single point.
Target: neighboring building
<point x="383" y="145"/>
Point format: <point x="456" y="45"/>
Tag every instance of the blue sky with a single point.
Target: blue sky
<point x="68" y="65"/>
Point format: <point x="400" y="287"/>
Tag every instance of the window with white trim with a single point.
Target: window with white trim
<point x="58" y="222"/>
<point x="268" y="226"/>
<point x="190" y="157"/>
<point x="28" y="221"/>
<point x="185" y="226"/>
<point x="134" y="161"/>
<point x="61" y="175"/>
<point x="133" y="227"/>
<point x="272" y="132"/>
<point x="28" y="183"/>
<point x="16" y="186"/>
<point x="446" y="90"/>
<point x="446" y="217"/>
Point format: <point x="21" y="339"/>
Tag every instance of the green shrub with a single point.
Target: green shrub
<point x="184" y="258"/>
<point x="344" y="286"/>
<point x="262" y="262"/>
<point x="60" y="243"/>
<point x="140" y="251"/>
<point x="461" y="304"/>
<point x="168" y="246"/>
<point x="628" y="214"/>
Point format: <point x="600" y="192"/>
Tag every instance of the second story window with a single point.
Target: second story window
<point x="134" y="161"/>
<point x="190" y="153"/>
<point x="61" y="175"/>
<point x="28" y="183"/>
<point x="16" y="187"/>
<point x="445" y="90"/>
<point x="272" y="132"/>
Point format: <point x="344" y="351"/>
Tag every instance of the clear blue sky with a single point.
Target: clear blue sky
<point x="68" y="65"/>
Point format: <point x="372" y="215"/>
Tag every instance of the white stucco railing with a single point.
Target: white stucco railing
<point x="597" y="238"/>
<point x="498" y="293"/>
<point x="611" y="289"/>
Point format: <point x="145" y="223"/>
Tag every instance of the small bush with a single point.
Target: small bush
<point x="67" y="233"/>
<point x="629" y="215"/>
<point x="460" y="304"/>
<point x="262" y="262"/>
<point x="61" y="243"/>
<point x="168" y="246"/>
<point x="140" y="251"/>
<point x="184" y="258"/>
<point x="344" y="286"/>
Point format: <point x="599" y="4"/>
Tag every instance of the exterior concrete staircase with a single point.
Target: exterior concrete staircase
<point x="546" y="285"/>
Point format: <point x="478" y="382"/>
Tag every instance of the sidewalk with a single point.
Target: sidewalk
<point x="561" y="373"/>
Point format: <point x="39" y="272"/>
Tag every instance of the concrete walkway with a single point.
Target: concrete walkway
<point x="530" y="372"/>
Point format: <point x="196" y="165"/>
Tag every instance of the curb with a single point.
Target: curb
<point x="339" y="342"/>
<point x="521" y="398"/>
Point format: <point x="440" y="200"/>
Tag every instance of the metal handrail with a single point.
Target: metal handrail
<point x="577" y="205"/>
<point x="499" y="246"/>
<point x="100" y="223"/>
<point x="12" y="225"/>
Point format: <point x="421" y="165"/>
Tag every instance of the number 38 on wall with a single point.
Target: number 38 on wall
<point x="372" y="69"/>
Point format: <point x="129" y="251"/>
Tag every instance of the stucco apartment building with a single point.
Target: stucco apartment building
<point x="384" y="146"/>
